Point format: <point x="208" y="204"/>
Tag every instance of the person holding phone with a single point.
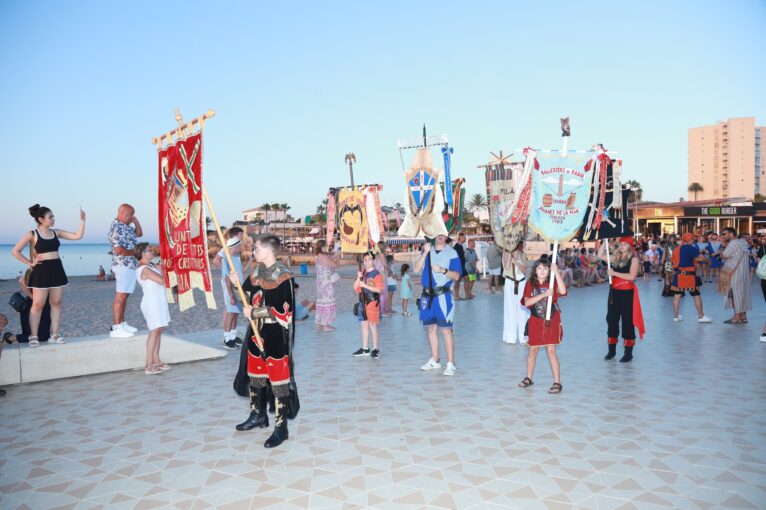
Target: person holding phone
<point x="46" y="276"/>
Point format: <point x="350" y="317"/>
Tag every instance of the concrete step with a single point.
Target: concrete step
<point x="99" y="354"/>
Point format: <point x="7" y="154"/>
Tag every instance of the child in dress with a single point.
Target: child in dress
<point x="154" y="306"/>
<point x="543" y="333"/>
<point x="406" y="291"/>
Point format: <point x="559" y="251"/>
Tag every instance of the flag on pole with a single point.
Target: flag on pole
<point x="560" y="192"/>
<point x="353" y="227"/>
<point x="453" y="214"/>
<point x="501" y="191"/>
<point x="424" y="198"/>
<point x="183" y="235"/>
<point x="330" y="213"/>
<point x="607" y="215"/>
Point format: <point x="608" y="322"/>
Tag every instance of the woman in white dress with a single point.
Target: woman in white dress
<point x="515" y="315"/>
<point x="154" y="306"/>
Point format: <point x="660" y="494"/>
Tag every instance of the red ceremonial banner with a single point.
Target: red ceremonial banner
<point x="183" y="236"/>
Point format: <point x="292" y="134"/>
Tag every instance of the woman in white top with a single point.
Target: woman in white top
<point x="154" y="306"/>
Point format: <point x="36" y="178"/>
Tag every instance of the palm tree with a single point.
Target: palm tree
<point x="265" y="207"/>
<point x="636" y="193"/>
<point x="321" y="212"/>
<point x="322" y="207"/>
<point x="477" y="203"/>
<point x="694" y="188"/>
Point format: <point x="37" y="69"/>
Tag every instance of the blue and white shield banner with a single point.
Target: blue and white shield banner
<point x="560" y="192"/>
<point x="421" y="187"/>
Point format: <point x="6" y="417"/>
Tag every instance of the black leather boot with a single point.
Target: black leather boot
<point x="258" y="417"/>
<point x="280" y="433"/>
<point x="270" y="398"/>
<point x="627" y="356"/>
<point x="612" y="351"/>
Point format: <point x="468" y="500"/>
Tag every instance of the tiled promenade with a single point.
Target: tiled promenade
<point x="683" y="426"/>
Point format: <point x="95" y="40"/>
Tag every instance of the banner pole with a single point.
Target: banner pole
<point x="552" y="281"/>
<point x="241" y="293"/>
<point x="608" y="262"/>
<point x="564" y="144"/>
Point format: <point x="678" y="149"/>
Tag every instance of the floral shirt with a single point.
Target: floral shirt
<point x="123" y="236"/>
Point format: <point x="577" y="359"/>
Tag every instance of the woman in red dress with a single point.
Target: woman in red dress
<point x="541" y="332"/>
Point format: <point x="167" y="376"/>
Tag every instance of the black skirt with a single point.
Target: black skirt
<point x="48" y="274"/>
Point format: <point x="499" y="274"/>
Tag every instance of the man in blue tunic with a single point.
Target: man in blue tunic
<point x="440" y="268"/>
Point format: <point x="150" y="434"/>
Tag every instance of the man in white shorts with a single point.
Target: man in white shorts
<point x="123" y="234"/>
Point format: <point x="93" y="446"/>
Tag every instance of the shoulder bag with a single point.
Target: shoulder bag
<point x="32" y="255"/>
<point x="18" y="301"/>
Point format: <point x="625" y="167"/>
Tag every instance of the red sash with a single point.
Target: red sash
<point x="638" y="317"/>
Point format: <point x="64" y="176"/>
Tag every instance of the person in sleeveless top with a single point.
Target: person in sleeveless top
<point x="46" y="276"/>
<point x="154" y="306"/>
<point x="623" y="303"/>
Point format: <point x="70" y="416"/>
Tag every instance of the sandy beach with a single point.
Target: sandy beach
<point x="88" y="304"/>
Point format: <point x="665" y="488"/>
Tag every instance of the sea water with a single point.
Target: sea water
<point x="79" y="259"/>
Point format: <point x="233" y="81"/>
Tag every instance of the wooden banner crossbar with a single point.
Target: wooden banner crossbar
<point x="184" y="129"/>
<point x="359" y="186"/>
<point x="421" y="146"/>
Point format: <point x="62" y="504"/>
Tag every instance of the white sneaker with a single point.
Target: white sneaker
<point x="128" y="327"/>
<point x="120" y="333"/>
<point x="763" y="338"/>
<point x="678" y="319"/>
<point x="705" y="318"/>
<point x="431" y="365"/>
<point x="450" y="370"/>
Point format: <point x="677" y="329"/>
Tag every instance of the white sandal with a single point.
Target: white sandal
<point x="34" y="341"/>
<point x="57" y="339"/>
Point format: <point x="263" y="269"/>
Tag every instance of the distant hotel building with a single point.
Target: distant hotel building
<point x="728" y="159"/>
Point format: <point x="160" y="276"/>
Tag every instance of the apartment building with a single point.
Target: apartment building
<point x="728" y="159"/>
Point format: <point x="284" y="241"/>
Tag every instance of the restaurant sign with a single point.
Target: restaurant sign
<point x="719" y="210"/>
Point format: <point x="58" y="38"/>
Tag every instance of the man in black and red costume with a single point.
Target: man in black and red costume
<point x="270" y="292"/>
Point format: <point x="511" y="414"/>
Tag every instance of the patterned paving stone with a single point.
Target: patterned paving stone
<point x="683" y="426"/>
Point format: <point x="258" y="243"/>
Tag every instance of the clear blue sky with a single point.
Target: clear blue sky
<point x="296" y="85"/>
